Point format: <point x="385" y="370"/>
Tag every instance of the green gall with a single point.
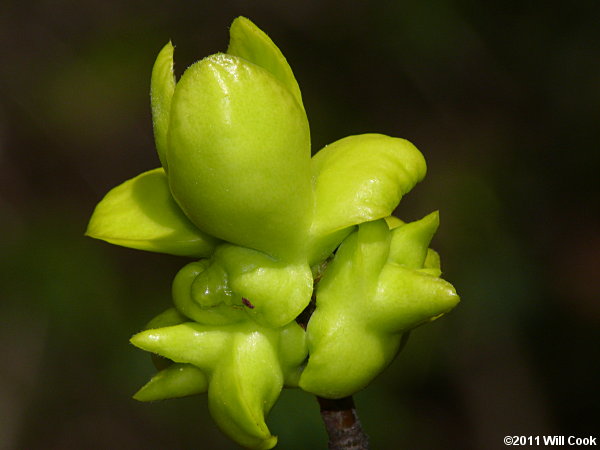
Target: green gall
<point x="268" y="229"/>
<point x="243" y="367"/>
<point x="375" y="290"/>
<point x="239" y="156"/>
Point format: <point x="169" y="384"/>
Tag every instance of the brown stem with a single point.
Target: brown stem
<point x="342" y="424"/>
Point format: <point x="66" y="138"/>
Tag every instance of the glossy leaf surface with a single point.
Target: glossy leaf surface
<point x="239" y="156"/>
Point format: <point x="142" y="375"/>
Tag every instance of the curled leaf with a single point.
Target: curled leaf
<point x="276" y="291"/>
<point x="359" y="179"/>
<point x="238" y="283"/>
<point x="201" y="292"/>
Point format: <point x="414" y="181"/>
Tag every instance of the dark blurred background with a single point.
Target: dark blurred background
<point x="503" y="99"/>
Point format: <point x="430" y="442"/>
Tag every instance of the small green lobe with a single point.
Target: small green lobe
<point x="251" y="43"/>
<point x="177" y="380"/>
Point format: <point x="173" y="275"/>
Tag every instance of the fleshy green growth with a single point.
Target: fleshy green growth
<point x="380" y="285"/>
<point x="243" y="366"/>
<point x="239" y="192"/>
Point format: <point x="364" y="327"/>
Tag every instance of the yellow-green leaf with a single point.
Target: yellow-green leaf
<point x="141" y="214"/>
<point x="359" y="179"/>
